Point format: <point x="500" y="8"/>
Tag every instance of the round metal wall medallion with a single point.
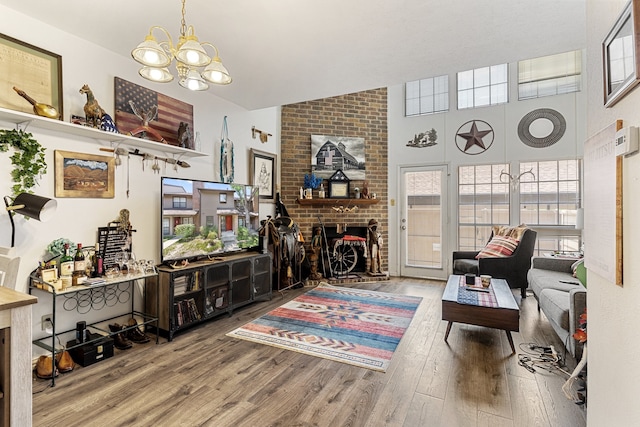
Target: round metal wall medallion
<point x="557" y="120"/>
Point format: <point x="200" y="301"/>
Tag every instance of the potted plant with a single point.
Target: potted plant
<point x="28" y="159"/>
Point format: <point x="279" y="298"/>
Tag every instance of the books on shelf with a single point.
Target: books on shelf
<point x="186" y="283"/>
<point x="186" y="311"/>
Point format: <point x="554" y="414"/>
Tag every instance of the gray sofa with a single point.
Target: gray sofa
<point x="560" y="296"/>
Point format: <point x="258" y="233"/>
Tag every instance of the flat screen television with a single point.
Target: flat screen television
<point x="205" y="219"/>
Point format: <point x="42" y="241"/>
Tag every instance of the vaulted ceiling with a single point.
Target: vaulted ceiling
<point x="286" y="51"/>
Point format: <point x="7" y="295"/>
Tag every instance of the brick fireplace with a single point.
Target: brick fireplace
<point x="362" y="114"/>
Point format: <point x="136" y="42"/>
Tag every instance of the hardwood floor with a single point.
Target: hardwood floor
<point x="203" y="378"/>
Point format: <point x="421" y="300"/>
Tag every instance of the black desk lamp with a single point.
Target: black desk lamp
<point x="29" y="205"/>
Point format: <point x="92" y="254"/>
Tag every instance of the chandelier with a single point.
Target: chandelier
<point x="189" y="55"/>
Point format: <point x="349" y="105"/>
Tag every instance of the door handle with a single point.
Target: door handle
<point x="404" y="227"/>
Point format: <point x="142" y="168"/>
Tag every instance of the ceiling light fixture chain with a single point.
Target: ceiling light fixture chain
<point x="189" y="55"/>
<point x="183" y="23"/>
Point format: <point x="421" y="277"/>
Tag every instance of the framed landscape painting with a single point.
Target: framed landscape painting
<point x="83" y="175"/>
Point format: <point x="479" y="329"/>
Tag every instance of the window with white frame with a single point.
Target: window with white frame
<point x="550" y="75"/>
<point x="545" y="195"/>
<point x="483" y="86"/>
<point x="483" y="201"/>
<point x="550" y="197"/>
<point x="427" y="96"/>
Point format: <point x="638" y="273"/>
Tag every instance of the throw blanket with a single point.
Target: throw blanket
<point x="479" y="296"/>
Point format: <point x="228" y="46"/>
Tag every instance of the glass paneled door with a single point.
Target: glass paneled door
<point x="423" y="218"/>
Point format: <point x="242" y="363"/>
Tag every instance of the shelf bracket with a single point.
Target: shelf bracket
<point x="23" y="125"/>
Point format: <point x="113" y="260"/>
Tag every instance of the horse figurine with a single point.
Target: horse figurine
<point x="92" y="110"/>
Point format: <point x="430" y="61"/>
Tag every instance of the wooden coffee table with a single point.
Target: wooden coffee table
<point x="505" y="315"/>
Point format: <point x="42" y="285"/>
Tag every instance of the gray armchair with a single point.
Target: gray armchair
<point x="513" y="268"/>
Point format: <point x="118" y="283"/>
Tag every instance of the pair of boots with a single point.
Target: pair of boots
<point x="125" y="339"/>
<point x="46" y="370"/>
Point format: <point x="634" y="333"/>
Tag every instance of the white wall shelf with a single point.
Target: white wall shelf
<point x="109" y="139"/>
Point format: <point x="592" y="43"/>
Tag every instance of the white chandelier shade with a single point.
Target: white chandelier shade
<point x="188" y="54"/>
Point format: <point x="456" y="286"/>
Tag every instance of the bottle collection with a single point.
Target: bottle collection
<point x="85" y="266"/>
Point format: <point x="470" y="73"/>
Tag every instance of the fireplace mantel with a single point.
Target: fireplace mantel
<point x="336" y="202"/>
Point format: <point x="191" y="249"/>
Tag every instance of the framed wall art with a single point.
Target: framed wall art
<point x="263" y="174"/>
<point x="35" y="71"/>
<point x="339" y="185"/>
<point x="83" y="175"/>
<point x="620" y="57"/>
<point x="138" y="107"/>
<point x="332" y="153"/>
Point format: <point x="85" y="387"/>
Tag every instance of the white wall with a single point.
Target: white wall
<point x="614" y="375"/>
<point x="78" y="219"/>
<point x="506" y="146"/>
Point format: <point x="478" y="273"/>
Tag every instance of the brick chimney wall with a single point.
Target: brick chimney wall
<point x="363" y="115"/>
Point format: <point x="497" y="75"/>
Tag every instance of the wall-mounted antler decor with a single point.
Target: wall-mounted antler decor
<point x="515" y="180"/>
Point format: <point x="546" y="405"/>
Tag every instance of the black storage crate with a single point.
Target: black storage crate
<point x="93" y="352"/>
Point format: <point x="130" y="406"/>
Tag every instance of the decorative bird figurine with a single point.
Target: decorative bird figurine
<point x="145" y="117"/>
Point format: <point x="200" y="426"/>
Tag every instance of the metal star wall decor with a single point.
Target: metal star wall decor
<point x="470" y="138"/>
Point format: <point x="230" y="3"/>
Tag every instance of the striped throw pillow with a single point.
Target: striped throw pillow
<point x="499" y="246"/>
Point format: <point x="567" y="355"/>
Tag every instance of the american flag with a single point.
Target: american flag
<point x="170" y="110"/>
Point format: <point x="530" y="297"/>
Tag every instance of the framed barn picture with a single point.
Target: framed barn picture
<point x="331" y="153"/>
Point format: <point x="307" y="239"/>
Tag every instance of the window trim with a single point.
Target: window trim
<point x="555" y="78"/>
<point x="491" y="86"/>
<point x="434" y="95"/>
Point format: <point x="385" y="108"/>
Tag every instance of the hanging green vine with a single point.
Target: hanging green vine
<point x="28" y="159"/>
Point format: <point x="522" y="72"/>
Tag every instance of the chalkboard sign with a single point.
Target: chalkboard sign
<point x="112" y="240"/>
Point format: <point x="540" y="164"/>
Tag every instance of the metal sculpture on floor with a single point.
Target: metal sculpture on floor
<point x="374" y="245"/>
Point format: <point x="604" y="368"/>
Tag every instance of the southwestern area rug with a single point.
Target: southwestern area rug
<point x="354" y="326"/>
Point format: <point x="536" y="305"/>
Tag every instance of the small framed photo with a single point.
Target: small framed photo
<point x="262" y="172"/>
<point x="620" y="55"/>
<point x="338" y="190"/>
<point x="339" y="185"/>
<point x="83" y="175"/>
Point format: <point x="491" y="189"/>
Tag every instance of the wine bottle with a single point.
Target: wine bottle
<point x="66" y="267"/>
<point x="98" y="266"/>
<point x="79" y="265"/>
<point x="39" y="108"/>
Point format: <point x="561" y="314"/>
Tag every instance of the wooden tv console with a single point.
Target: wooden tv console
<point x="206" y="289"/>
